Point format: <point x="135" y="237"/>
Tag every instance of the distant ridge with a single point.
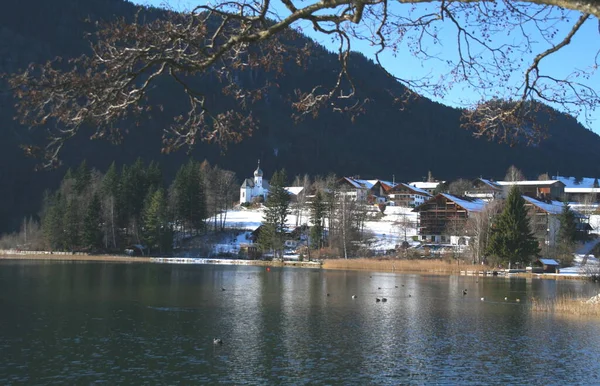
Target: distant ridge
<point x="385" y="141"/>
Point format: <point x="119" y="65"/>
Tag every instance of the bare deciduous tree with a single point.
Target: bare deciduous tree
<point x="224" y="38"/>
<point x="459" y="187"/>
<point x="514" y="174"/>
<point x="478" y="228"/>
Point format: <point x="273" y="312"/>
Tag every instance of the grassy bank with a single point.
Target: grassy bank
<point x="395" y="265"/>
<point x="567" y="305"/>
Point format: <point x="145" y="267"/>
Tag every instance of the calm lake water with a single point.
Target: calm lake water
<point x="82" y="323"/>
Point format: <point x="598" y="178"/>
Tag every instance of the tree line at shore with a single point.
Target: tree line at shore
<point x="106" y="212"/>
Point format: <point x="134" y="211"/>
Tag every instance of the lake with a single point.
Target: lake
<point x="82" y="323"/>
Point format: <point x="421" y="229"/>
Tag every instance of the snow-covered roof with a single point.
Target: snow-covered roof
<point x="247" y="183"/>
<point x="527" y="183"/>
<point x="355" y="183"/>
<point x="413" y="188"/>
<point x="552" y="207"/>
<point x="295" y="190"/>
<point x="366" y="183"/>
<point x="585" y="185"/>
<point x="490" y="183"/>
<point x="470" y="204"/>
<point x="548" y="261"/>
<point x="427" y="185"/>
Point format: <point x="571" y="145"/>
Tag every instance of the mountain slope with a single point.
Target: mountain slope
<point x="385" y="140"/>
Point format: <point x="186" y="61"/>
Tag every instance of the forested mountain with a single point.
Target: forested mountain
<point x="385" y="140"/>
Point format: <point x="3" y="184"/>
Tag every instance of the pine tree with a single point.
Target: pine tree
<point x="92" y="227"/>
<point x="71" y="226"/>
<point x="83" y="177"/>
<point x="317" y="214"/>
<point x="511" y="238"/>
<point x="52" y="222"/>
<point x="568" y="228"/>
<point x="189" y="197"/>
<point x="156" y="225"/>
<point x="277" y="208"/>
<point x="110" y="189"/>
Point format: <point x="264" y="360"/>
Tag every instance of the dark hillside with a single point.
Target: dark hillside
<point x="385" y="140"/>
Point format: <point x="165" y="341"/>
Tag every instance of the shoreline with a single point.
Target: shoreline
<point x="436" y="267"/>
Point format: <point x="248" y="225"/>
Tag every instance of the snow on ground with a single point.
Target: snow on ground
<point x="389" y="231"/>
<point x="386" y="231"/>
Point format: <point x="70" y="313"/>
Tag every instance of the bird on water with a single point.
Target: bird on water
<point x="377" y="300"/>
<point x="354" y="296"/>
<point x="464" y="292"/>
<point x="217" y="341"/>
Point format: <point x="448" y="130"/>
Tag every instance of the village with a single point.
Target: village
<point x="420" y="219"/>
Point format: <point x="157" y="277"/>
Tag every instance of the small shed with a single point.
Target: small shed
<point x="547" y="265"/>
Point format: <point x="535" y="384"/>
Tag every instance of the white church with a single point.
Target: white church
<point x="256" y="187"/>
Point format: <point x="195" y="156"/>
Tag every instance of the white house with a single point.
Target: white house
<point x="254" y="187"/>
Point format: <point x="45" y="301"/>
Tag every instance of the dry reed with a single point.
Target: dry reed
<point x="566" y="305"/>
<point x="396" y="265"/>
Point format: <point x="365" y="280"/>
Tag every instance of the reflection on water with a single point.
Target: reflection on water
<point x="154" y="323"/>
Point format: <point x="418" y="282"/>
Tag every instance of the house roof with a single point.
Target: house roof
<point x="358" y="184"/>
<point x="426" y="185"/>
<point x="492" y="184"/>
<point x="529" y="183"/>
<point x="585" y="185"/>
<point x="467" y="203"/>
<point x="548" y="261"/>
<point x="413" y="188"/>
<point x="295" y="190"/>
<point x="366" y="183"/>
<point x="551" y="207"/>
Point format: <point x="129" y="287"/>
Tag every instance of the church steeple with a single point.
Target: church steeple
<point x="258" y="174"/>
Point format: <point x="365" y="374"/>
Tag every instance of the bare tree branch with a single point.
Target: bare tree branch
<point x="225" y="39"/>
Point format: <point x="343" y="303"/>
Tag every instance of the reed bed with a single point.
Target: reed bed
<point x="396" y="265"/>
<point x="567" y="305"/>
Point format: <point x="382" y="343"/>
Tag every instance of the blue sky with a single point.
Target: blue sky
<point x="579" y="54"/>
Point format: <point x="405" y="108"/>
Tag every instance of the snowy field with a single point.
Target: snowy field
<point x="386" y="232"/>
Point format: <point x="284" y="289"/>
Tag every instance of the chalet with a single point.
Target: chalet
<point x="429" y="187"/>
<point x="583" y="190"/>
<point x="407" y="195"/>
<point x="545" y="190"/>
<point x="486" y="190"/>
<point x="545" y="223"/>
<point x="356" y="189"/>
<point x="444" y="215"/>
<point x="378" y="191"/>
